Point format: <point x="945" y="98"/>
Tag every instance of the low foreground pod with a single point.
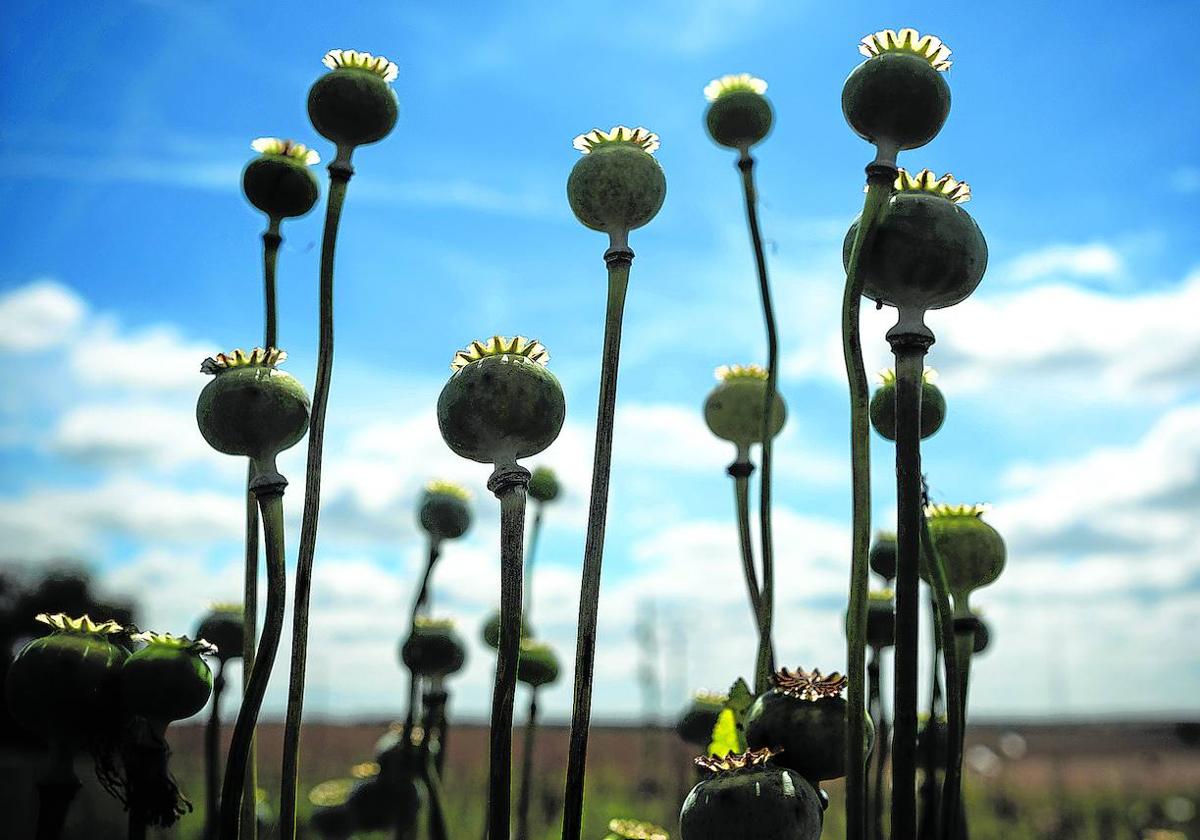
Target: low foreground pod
<point x="749" y="797"/>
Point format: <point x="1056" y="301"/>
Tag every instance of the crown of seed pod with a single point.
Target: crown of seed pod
<point x="222" y="627"/>
<point x="734" y="408"/>
<point x="898" y="98"/>
<point x="805" y="714"/>
<point x="543" y="485"/>
<point x="750" y="797"/>
<point x="63" y="685"/>
<point x="739" y="115"/>
<point x="433" y="648"/>
<point x="354" y="104"/>
<point x="490" y="631"/>
<point x="882" y="555"/>
<point x="250" y="407"/>
<point x="883" y="405"/>
<point x="167" y="679"/>
<point x="617" y="185"/>
<point x="279" y="181"/>
<point x="927" y="252"/>
<point x="696" y="724"/>
<point x="625" y="829"/>
<point x="501" y="403"/>
<point x="445" y="510"/>
<point x="538" y="665"/>
<point x="972" y="551"/>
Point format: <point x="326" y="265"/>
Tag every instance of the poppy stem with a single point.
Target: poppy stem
<point x="212" y="755"/>
<point x="740" y="470"/>
<point x="526" y="793"/>
<point x="56" y="791"/>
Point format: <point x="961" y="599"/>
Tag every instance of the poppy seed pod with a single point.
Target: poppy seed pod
<point x="734" y="409"/>
<point x="501" y="403"/>
<point x="883" y="405"/>
<point x="881" y="619"/>
<point x="279" y="181"/>
<point x="538" y="664"/>
<point x="971" y="550"/>
<point x="543" y="485"/>
<point x="490" y="632"/>
<point x="354" y="104"/>
<point x="222" y="627"/>
<point x="882" y="555"/>
<point x="738" y="116"/>
<point x="751" y="797"/>
<point x="898" y="98"/>
<point x="433" y="649"/>
<point x="695" y="725"/>
<point x="617" y="185"/>
<point x="445" y="510"/>
<point x="926" y="252"/>
<point x="378" y="805"/>
<point x="167" y="679"/>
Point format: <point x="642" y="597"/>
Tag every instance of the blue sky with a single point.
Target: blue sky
<point x="128" y="255"/>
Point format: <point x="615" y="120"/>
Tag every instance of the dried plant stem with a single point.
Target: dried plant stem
<point x="879" y="186"/>
<point x="340" y="172"/>
<point x="619" y="259"/>
<point x="212" y="755"/>
<point x="741" y="470"/>
<point x="56" y="791"/>
<point x="526" y="790"/>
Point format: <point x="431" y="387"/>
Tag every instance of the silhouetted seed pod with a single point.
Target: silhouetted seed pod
<point x="279" y="181"/>
<point x="617" y="185"/>
<point x="738" y="116"/>
<point x="354" y="104"/>
<point x="751" y="797"/>
<point x="883" y="406"/>
<point x="444" y="510"/>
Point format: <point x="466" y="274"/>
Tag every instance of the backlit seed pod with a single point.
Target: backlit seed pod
<point x="734" y="409"/>
<point x="751" y="797"/>
<point x="396" y="757"/>
<point x="445" y="510"/>
<point x="881" y="619"/>
<point x="927" y="252"/>
<point x="331" y="818"/>
<point x="433" y="649"/>
<point x="738" y="114"/>
<point x="63" y="685"/>
<point x="501" y="403"/>
<point x="543" y="485"/>
<point x="882" y="556"/>
<point x="971" y="550"/>
<point x="617" y="185"/>
<point x="354" y="104"/>
<point x="167" y="679"/>
<point x="898" y="98"/>
<point x="222" y="628"/>
<point x="380" y="804"/>
<point x="977" y="628"/>
<point x="805" y="714"/>
<point x="279" y="181"/>
<point x="623" y="829"/>
<point x="696" y="724"/>
<point x="490" y="633"/>
<point x="883" y="405"/>
<point x="538" y="664"/>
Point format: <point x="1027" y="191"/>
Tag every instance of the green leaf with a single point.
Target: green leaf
<point x="729" y="732"/>
<point x="740" y="698"/>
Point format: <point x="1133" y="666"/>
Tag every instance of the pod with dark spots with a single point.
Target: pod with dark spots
<point x="444" y="510"/>
<point x="279" y="182"/>
<point x="433" y="649"/>
<point x="167" y="679"/>
<point x="543" y="485"/>
<point x="354" y="104"/>
<point x="898" y="98"/>
<point x="971" y="550"/>
<point x="738" y="115"/>
<point x="749" y="797"/>
<point x="222" y="627"/>
<point x="63" y="685"/>
<point x="883" y="406"/>
<point x="882" y="555"/>
<point x="695" y="725"/>
<point x="490" y="632"/>
<point x="617" y="186"/>
<point x="926" y="252"/>
<point x="538" y="664"/>
<point x="734" y="408"/>
<point x="501" y="403"/>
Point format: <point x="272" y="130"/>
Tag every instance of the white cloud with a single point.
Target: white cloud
<point x="38" y="316"/>
<point x="139" y="434"/>
<point x="153" y="359"/>
<point x="1057" y="261"/>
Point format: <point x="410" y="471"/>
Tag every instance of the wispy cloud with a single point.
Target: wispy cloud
<point x="1096" y="259"/>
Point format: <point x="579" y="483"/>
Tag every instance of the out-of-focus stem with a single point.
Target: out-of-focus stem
<point x="741" y="470"/>
<point x="212" y="755"/>
<point x="875" y="705"/>
<point x="530" y="556"/>
<point x="527" y="768"/>
<point x="56" y="790"/>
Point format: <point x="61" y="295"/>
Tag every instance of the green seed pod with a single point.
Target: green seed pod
<point x="617" y="185"/>
<point x="168" y="679"/>
<point x="805" y="714"/>
<point x="538" y="664"/>
<point x="927" y="252"/>
<point x="250" y="407"/>
<point x="445" y="510"/>
<point x="622" y="829"/>
<point x="222" y="627"/>
<point x="696" y="724"/>
<point x="378" y="806"/>
<point x="279" y="181"/>
<point x="62" y="685"/>
<point x="354" y="104"/>
<point x="739" y="116"/>
<point x="974" y="625"/>
<point x="543" y="485"/>
<point x="972" y="551"/>
<point x="898" y="98"/>
<point x="882" y="555"/>
<point x="331" y="818"/>
<point x="750" y="797"/>
<point x="490" y="632"/>
<point x="734" y="409"/>
<point x="883" y="405"/>
<point x="433" y="649"/>
<point x="881" y="619"/>
<point x="501" y="403"/>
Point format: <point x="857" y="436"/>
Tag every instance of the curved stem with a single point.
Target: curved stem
<point x="530" y="555"/>
<point x="56" y="791"/>
<point x="340" y="171"/>
<point x="212" y="755"/>
<point x="271" y="506"/>
<point x="619" y="261"/>
<point x="879" y="185"/>
<point x="740" y="470"/>
<point x="527" y="768"/>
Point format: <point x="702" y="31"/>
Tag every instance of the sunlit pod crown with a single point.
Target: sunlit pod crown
<point x="946" y="511"/>
<point x="355" y="60"/>
<point x="179" y="642"/>
<point x="449" y="488"/>
<point x="947" y="186"/>
<point x="885" y="596"/>
<point x="225" y="607"/>
<point x="809" y="685"/>
<point x="637" y="830"/>
<point x="258" y="357"/>
<point x="735" y="761"/>
<point x="286" y="148"/>
<point x="83" y="624"/>
<point x="887" y="376"/>
<point x="738" y="81"/>
<point x="518" y="347"/>
<point x="929" y="47"/>
<point x="725" y="373"/>
<point x="425" y="623"/>
<point x="643" y="138"/>
<point x="714" y="698"/>
<point x="330" y="794"/>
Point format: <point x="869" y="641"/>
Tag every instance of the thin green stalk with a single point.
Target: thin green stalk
<point x="879" y="186"/>
<point x="340" y="172"/>
<point x="619" y="260"/>
<point x="271" y="242"/>
<point x="875" y="705"/>
<point x="212" y="755"/>
<point x="526" y="793"/>
<point x="530" y="555"/>
<point x="766" y="614"/>
<point x="271" y="507"/>
<point x="56" y="790"/>
<point x="740" y="470"/>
